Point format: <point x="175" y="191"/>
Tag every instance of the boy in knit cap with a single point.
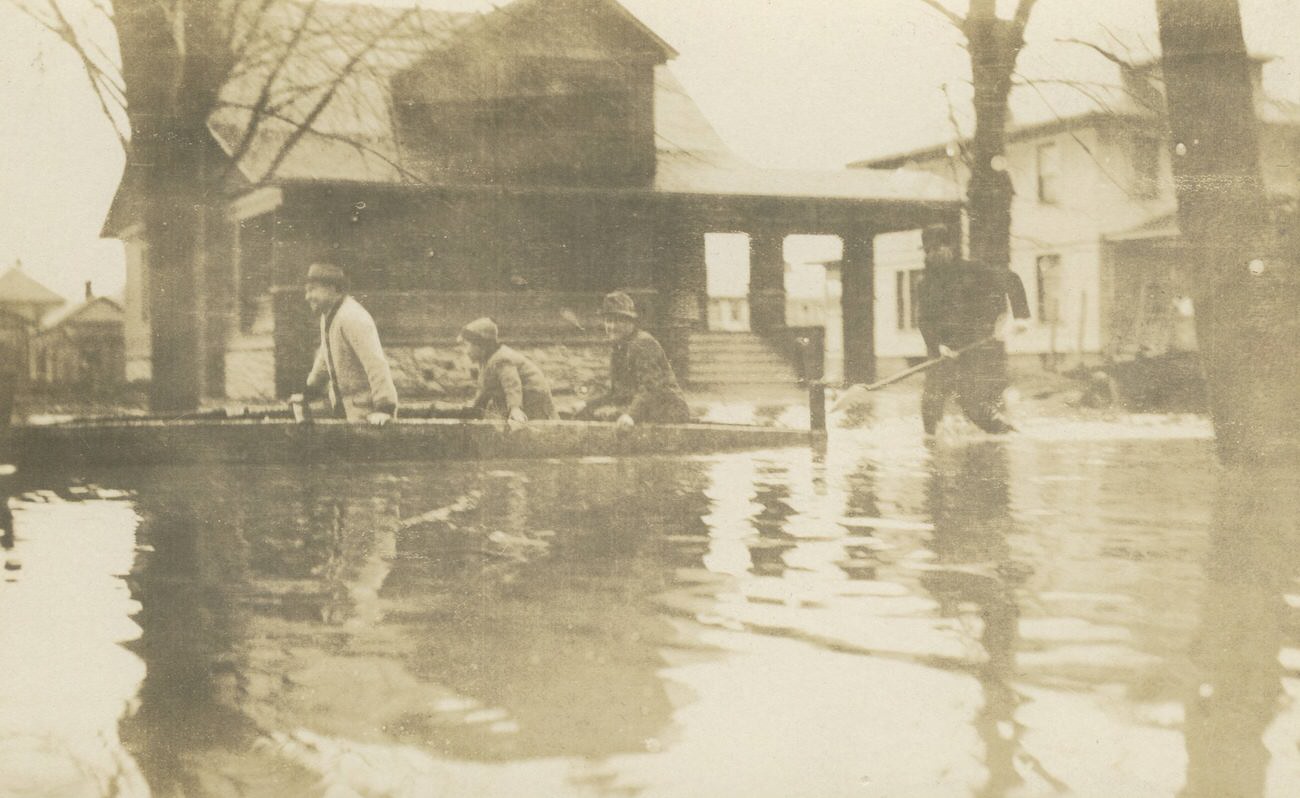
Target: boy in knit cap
<point x="642" y="385"/>
<point x="510" y="385"/>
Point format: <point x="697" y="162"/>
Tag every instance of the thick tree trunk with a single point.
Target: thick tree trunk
<point x="1245" y="289"/>
<point x="994" y="45"/>
<point x="173" y="71"/>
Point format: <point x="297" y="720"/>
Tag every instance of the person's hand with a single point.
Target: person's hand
<point x="625" y="420"/>
<point x="1019" y="327"/>
<point x="378" y="419"/>
<point x="946" y="352"/>
<point x="517" y="419"/>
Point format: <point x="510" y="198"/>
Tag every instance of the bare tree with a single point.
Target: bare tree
<point x="1245" y="283"/>
<point x="994" y="45"/>
<point x="179" y="60"/>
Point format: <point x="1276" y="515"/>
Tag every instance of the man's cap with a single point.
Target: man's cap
<point x="327" y="274"/>
<point x="618" y="304"/>
<point x="938" y="234"/>
<point x="480" y="331"/>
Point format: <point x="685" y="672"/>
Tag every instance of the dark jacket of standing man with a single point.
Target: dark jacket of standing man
<point x="350" y="367"/>
<point x="642" y="385"/>
<point x="959" y="304"/>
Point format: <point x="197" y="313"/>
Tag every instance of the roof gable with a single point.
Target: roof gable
<point x="16" y="288"/>
<point x="93" y="310"/>
<point x="594" y="29"/>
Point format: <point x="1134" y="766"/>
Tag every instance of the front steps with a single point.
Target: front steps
<point x="737" y="358"/>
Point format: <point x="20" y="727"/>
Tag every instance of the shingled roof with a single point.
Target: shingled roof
<point x="352" y="134"/>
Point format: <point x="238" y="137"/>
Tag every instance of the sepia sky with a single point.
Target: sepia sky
<point x="788" y="83"/>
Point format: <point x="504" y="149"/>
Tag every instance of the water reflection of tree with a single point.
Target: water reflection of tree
<point x="1254" y="557"/>
<point x="229" y="557"/>
<point x="563" y="637"/>
<point x="969" y="502"/>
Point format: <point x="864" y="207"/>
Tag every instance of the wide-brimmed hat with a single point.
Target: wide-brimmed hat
<point x="327" y="274"/>
<point x="480" y="331"/>
<point x="618" y="304"/>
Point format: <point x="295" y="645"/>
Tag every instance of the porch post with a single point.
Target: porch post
<point x="682" y="284"/>
<point x="766" y="281"/>
<point x="857" y="302"/>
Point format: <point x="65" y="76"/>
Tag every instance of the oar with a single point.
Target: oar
<point x="855" y="393"/>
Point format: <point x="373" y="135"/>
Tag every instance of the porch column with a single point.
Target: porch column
<point x="681" y="281"/>
<point x="766" y="281"/>
<point x="857" y="301"/>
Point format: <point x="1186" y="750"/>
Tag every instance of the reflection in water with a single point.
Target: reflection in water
<point x="1253" y="563"/>
<point x="970" y="506"/>
<point x="983" y="618"/>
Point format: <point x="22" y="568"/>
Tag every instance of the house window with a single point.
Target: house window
<point x="1048" y="272"/>
<point x="1049" y="173"/>
<point x="907" y="297"/>
<point x="1146" y="167"/>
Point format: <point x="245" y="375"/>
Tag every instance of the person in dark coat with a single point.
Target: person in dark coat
<point x="510" y="385"/>
<point x="959" y="306"/>
<point x="642" y="386"/>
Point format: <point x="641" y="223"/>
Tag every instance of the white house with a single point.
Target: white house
<point x="1094" y="237"/>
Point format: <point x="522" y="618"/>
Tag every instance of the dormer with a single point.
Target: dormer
<point x="540" y="92"/>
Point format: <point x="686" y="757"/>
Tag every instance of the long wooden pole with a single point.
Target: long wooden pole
<point x="902" y="375"/>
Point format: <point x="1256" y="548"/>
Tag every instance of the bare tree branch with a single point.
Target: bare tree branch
<point x="1107" y="54"/>
<point x="264" y="96"/>
<point x="947" y="14"/>
<point x="107" y="92"/>
<point x="325" y="99"/>
<point x="1023" y="10"/>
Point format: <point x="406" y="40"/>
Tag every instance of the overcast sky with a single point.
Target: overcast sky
<point x="788" y="83"/>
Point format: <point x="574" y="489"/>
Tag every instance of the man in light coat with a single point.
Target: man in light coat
<point x="350" y="367"/>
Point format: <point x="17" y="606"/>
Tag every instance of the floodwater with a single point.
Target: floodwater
<point x="1088" y="608"/>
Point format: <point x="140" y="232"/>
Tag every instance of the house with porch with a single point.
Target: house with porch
<point x="81" y="346"/>
<point x="1094" y="235"/>
<point x="23" y="303"/>
<point x="517" y="163"/>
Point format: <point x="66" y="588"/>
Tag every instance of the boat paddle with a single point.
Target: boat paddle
<point x="857" y="392"/>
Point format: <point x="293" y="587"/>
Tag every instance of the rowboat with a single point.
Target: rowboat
<point x="272" y="439"/>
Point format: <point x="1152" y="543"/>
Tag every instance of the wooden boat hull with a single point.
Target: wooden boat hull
<point x="130" y="443"/>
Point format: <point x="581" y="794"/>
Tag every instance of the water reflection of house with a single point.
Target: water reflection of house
<point x="23" y="302"/>
<point x="81" y="345"/>
<point x="1094" y="236"/>
<point x="514" y="163"/>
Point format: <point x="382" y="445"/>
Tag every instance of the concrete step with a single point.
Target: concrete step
<point x="757" y="359"/>
<point x="737" y="358"/>
<point x="723" y="374"/>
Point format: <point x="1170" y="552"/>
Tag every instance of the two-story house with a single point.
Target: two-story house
<point x="1094" y="234"/>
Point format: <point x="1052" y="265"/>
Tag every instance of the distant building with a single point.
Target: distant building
<point x="81" y="346"/>
<point x="23" y="302"/>
<point x="1094" y="235"/>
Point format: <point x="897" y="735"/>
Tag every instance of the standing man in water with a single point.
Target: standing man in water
<point x="642" y="385"/>
<point x="960" y="305"/>
<point x="350" y="367"/>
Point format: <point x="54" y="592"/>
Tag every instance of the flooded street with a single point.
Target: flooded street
<point x="1091" y="608"/>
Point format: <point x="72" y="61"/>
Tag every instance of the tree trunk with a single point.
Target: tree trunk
<point x="172" y="71"/>
<point x="1244" y="289"/>
<point x="994" y="46"/>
